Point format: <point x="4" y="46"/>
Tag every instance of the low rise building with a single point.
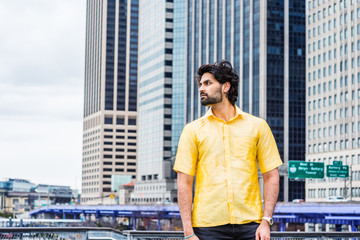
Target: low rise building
<point x="20" y="195"/>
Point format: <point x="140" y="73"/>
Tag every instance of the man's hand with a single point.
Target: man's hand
<point x="263" y="231"/>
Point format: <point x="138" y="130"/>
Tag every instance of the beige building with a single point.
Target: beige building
<point x="333" y="95"/>
<point x="110" y="98"/>
<point x="125" y="193"/>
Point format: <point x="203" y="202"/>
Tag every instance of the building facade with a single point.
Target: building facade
<point x="265" y="42"/>
<point x="20" y="195"/>
<point x="110" y="96"/>
<point x="154" y="177"/>
<point x="333" y="93"/>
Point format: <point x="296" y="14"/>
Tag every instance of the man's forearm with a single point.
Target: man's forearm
<point x="185" y="183"/>
<point x="271" y="191"/>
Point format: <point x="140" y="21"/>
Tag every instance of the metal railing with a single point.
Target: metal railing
<point x="145" y="235"/>
<point x="75" y="233"/>
<point x="82" y="233"/>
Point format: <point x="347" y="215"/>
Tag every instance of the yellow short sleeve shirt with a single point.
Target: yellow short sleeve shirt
<point x="225" y="157"/>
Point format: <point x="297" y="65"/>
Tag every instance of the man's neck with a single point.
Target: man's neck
<point x="224" y="110"/>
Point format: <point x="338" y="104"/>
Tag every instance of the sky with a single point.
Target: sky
<point x="42" y="45"/>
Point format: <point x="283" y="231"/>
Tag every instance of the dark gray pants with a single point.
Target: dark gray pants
<point x="227" y="232"/>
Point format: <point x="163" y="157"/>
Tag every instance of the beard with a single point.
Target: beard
<point x="208" y="100"/>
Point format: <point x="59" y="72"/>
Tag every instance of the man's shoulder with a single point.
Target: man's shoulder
<point x="195" y="124"/>
<point x="253" y="119"/>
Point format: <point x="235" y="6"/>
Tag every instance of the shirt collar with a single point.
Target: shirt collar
<point x="237" y="113"/>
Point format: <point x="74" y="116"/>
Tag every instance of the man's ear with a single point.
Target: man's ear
<point x="226" y="86"/>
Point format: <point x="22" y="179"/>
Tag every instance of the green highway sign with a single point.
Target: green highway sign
<point x="337" y="163"/>
<point x="340" y="171"/>
<point x="300" y="169"/>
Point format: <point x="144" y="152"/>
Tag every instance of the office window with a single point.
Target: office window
<point x="108" y="120"/>
<point x="120" y="120"/>
<point x="132" y="121"/>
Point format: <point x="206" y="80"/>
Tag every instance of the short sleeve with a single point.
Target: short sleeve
<point x="187" y="152"/>
<point x="267" y="151"/>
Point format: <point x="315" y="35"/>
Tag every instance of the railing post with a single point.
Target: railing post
<point x="282" y="227"/>
<point x="159" y="224"/>
<point x="353" y="226"/>
<point x="134" y="223"/>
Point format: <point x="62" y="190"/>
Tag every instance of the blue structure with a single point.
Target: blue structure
<point x="130" y="211"/>
<point x="325" y="213"/>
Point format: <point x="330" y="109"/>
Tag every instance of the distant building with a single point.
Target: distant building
<point x="332" y="96"/>
<point x="124" y="193"/>
<point x="21" y="195"/>
<point x="110" y="96"/>
<point x="154" y="177"/>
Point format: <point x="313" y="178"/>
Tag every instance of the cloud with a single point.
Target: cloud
<point x="41" y="90"/>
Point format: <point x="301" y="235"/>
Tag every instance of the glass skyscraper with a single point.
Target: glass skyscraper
<point x="154" y="177"/>
<point x="110" y="97"/>
<point x="265" y="42"/>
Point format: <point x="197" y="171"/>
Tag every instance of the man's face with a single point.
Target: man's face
<point x="210" y="90"/>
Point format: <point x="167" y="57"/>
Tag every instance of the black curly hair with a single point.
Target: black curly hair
<point x="223" y="72"/>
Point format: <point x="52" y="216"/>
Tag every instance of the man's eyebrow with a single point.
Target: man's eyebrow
<point x="206" y="80"/>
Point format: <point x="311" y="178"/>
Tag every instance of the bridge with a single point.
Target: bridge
<point x="324" y="213"/>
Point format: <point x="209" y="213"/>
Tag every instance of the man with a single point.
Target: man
<point x="224" y="149"/>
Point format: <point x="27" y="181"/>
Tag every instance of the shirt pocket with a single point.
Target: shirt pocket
<point x="243" y="153"/>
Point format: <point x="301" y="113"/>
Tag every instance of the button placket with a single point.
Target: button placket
<point x="230" y="193"/>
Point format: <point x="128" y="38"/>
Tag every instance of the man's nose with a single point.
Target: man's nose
<point x="201" y="89"/>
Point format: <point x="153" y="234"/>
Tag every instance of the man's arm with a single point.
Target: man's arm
<point x="271" y="192"/>
<point x="185" y="185"/>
